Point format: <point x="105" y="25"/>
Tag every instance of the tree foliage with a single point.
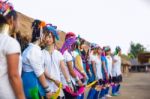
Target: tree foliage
<point x="135" y="49"/>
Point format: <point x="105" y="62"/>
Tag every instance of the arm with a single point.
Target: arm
<point x="94" y="68"/>
<point x="13" y="74"/>
<point x="62" y="66"/>
<point x="35" y="59"/>
<point x="43" y="82"/>
<point x="50" y="78"/>
<point x="72" y="73"/>
<point x="105" y="71"/>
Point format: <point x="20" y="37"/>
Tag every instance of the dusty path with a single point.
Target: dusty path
<point x="135" y="86"/>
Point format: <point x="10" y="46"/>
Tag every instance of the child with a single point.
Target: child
<point x="34" y="80"/>
<point x="97" y="68"/>
<point x="10" y="68"/>
<point x="109" y="68"/>
<point x="66" y="51"/>
<point x="116" y="72"/>
<point x="53" y="59"/>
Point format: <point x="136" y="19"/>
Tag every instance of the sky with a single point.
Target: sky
<point x="105" y="22"/>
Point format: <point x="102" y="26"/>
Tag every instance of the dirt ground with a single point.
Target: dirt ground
<point x="135" y="86"/>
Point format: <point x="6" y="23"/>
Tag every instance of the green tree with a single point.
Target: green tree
<point x="135" y="49"/>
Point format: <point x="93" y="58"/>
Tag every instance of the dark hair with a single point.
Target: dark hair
<point x="3" y="19"/>
<point x="36" y="30"/>
<point x="75" y="46"/>
<point x="12" y="13"/>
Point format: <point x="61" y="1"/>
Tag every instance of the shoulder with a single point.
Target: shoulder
<point x="58" y="55"/>
<point x="44" y="51"/>
<point x="66" y="53"/>
<point x="75" y="54"/>
<point x="12" y="45"/>
<point x="57" y="52"/>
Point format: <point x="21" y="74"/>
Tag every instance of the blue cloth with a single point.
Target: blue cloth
<point x="30" y="81"/>
<point x="80" y="96"/>
<point x="107" y="90"/>
<point x="117" y="88"/>
<point x="102" y="93"/>
<point x="91" y="94"/>
<point x="96" y="96"/>
<point x="113" y="89"/>
<point x="103" y="59"/>
<point x="91" y="78"/>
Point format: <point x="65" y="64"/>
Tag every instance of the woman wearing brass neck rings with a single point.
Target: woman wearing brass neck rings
<point x="10" y="68"/>
<point x="34" y="81"/>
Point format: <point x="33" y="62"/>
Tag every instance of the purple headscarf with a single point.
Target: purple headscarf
<point x="67" y="44"/>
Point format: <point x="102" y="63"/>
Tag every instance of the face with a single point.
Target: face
<point x="119" y="53"/>
<point x="99" y="50"/>
<point x="49" y="40"/>
<point x="108" y="52"/>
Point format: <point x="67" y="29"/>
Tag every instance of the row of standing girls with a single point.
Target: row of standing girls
<point x="107" y="70"/>
<point x="38" y="71"/>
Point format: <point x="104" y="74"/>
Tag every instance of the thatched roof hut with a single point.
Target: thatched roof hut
<point x="26" y="31"/>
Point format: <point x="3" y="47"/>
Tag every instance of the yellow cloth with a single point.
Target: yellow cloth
<point x="55" y="95"/>
<point x="91" y="84"/>
<point x="78" y="63"/>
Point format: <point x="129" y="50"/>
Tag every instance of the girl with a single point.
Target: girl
<point x="91" y="75"/>
<point x="85" y="57"/>
<point x="79" y="69"/>
<point x="53" y="59"/>
<point x="78" y="60"/>
<point x="66" y="51"/>
<point x="33" y="72"/>
<point x="10" y="68"/>
<point x="109" y="68"/>
<point x="97" y="68"/>
<point x="116" y="72"/>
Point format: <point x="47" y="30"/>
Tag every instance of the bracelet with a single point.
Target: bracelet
<point x="69" y="82"/>
<point x="47" y="89"/>
<point x="77" y="78"/>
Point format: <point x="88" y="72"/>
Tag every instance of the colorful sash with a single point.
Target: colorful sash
<point x="56" y="95"/>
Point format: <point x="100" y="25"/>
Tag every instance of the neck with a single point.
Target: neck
<point x="5" y="29"/>
<point x="37" y="42"/>
<point x="50" y="48"/>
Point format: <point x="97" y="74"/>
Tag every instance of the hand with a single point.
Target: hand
<point x="48" y="95"/>
<point x="107" y="77"/>
<point x="57" y="82"/>
<point x="85" y="76"/>
<point x="80" y="83"/>
<point x="70" y="86"/>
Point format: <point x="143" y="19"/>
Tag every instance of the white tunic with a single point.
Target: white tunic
<point x="109" y="64"/>
<point x="67" y="58"/>
<point x="117" y="66"/>
<point x="52" y="64"/>
<point x="98" y="65"/>
<point x="8" y="45"/>
<point x="32" y="60"/>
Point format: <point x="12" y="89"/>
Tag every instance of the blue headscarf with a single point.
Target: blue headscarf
<point x="53" y="29"/>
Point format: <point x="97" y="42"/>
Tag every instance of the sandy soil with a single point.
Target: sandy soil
<point x="135" y="86"/>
